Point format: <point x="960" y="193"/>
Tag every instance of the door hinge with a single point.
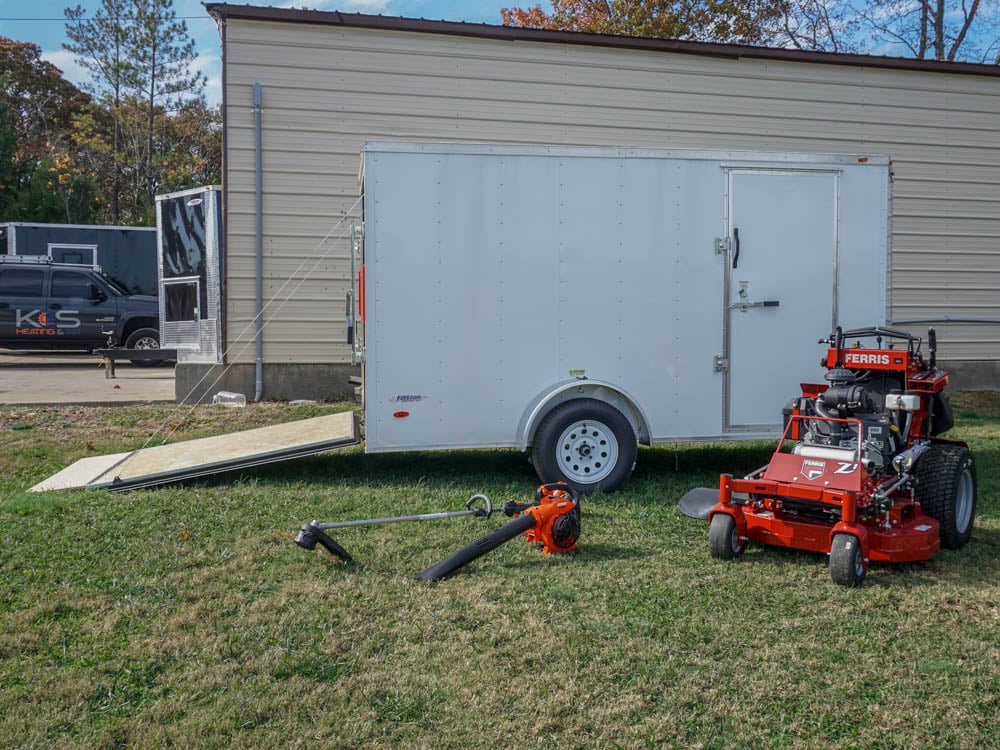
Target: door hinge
<point x="721" y="245"/>
<point x="721" y="363"/>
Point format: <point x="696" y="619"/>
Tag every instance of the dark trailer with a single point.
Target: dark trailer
<point x="126" y="254"/>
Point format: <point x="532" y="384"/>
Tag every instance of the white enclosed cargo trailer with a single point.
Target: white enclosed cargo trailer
<point x="578" y="301"/>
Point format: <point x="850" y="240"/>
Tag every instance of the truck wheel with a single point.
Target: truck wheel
<point x="847" y="564"/>
<point x="724" y="541"/>
<point x="946" y="486"/>
<point x="586" y="443"/>
<point x="143" y="338"/>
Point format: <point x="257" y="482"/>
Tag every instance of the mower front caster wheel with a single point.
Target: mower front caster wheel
<point x="847" y="564"/>
<point x="724" y="541"/>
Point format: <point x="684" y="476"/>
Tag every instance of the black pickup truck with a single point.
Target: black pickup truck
<point x="46" y="305"/>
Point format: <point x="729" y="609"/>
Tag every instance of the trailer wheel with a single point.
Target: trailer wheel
<point x="946" y="486"/>
<point x="847" y="564"/>
<point x="586" y="443"/>
<point x="724" y="541"/>
<point x="143" y="338"/>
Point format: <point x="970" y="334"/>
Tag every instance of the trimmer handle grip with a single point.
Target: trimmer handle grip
<point x="478" y="548"/>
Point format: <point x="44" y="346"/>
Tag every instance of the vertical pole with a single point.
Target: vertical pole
<point x="259" y="166"/>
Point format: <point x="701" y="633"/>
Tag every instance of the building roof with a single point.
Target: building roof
<point x="224" y="11"/>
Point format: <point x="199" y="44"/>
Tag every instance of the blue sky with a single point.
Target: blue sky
<point x="43" y="22"/>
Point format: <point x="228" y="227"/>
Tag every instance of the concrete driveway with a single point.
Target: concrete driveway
<point x="78" y="378"/>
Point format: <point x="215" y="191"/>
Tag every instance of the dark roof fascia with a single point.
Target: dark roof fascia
<point x="222" y="11"/>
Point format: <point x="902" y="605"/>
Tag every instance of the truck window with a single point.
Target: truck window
<point x="21" y="282"/>
<point x="71" y="284"/>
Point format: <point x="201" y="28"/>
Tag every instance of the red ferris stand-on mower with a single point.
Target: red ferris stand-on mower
<point x="861" y="472"/>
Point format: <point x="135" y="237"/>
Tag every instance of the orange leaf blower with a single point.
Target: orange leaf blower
<point x="552" y="522"/>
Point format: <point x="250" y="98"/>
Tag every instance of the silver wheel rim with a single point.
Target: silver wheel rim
<point x="146" y="342"/>
<point x="963" y="501"/>
<point x="587" y="451"/>
<point x="734" y="540"/>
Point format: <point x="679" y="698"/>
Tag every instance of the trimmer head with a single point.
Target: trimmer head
<point x="310" y="535"/>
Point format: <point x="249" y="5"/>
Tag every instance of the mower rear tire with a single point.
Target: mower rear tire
<point x="724" y="541"/>
<point x="586" y="443"/>
<point x="847" y="564"/>
<point x="946" y="486"/>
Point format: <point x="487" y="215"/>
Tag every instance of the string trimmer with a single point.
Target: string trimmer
<point x="314" y="532"/>
<point x="552" y="522"/>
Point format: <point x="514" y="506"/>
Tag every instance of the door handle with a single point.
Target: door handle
<point x="744" y="306"/>
<point x="736" y="246"/>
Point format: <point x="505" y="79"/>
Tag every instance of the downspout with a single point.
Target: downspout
<point x="259" y="318"/>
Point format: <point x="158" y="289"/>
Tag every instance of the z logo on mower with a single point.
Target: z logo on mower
<point x="813" y="469"/>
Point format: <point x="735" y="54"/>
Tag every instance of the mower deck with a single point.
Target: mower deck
<point x="917" y="538"/>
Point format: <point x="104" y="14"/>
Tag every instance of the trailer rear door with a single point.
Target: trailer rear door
<point x="780" y="287"/>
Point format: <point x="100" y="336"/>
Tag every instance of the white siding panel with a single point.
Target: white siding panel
<point x="327" y="89"/>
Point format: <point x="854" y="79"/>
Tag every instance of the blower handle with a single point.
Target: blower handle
<point x="478" y="548"/>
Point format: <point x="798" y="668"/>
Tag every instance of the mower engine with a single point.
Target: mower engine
<point x="861" y="472"/>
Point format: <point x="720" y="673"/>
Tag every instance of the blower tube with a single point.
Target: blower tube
<point x="478" y="548"/>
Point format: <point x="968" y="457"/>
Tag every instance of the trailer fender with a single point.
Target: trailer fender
<point x="569" y="390"/>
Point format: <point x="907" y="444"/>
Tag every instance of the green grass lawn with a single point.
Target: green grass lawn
<point x="186" y="617"/>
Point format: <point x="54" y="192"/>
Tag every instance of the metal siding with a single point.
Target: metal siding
<point x="327" y="89"/>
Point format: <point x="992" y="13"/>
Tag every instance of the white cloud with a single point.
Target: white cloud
<point x="209" y="64"/>
<point x="66" y="62"/>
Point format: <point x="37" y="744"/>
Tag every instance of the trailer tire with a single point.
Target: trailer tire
<point x="724" y="541"/>
<point x="847" y="564"/>
<point x="143" y="338"/>
<point x="946" y="487"/>
<point x="586" y="443"/>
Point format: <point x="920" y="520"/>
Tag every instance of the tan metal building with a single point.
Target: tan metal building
<point x="330" y="81"/>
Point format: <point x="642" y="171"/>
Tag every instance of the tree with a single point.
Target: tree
<point x="101" y="46"/>
<point x="140" y="57"/>
<point x="737" y="21"/>
<point x="822" y="25"/>
<point x="40" y="102"/>
<point x="40" y="179"/>
<point x="10" y="166"/>
<point x="936" y="29"/>
<point x="927" y="29"/>
<point x="192" y="153"/>
<point x="163" y="56"/>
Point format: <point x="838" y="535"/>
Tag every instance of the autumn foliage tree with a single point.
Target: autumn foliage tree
<point x="927" y="29"/>
<point x="72" y="157"/>
<point x="42" y="180"/>
<point x="737" y="21"/>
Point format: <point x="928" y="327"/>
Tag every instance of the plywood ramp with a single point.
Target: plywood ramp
<point x="174" y="462"/>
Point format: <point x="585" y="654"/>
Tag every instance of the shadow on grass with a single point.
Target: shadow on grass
<point x="976" y="565"/>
